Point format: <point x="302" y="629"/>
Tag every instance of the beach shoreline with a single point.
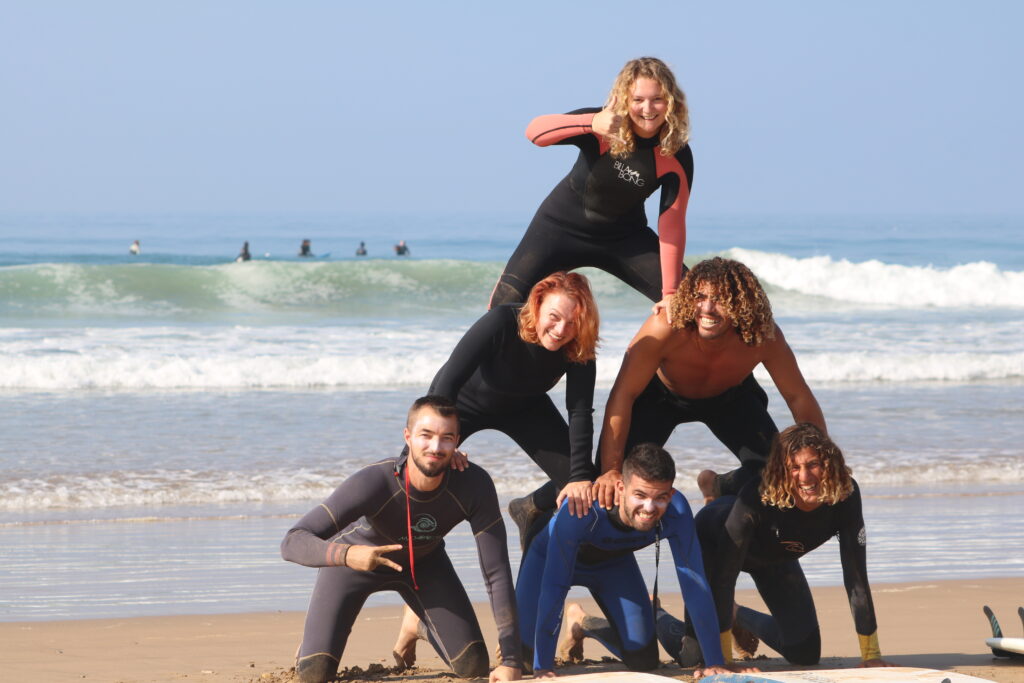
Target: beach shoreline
<point x="932" y="624"/>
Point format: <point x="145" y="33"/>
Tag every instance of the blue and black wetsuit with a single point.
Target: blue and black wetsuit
<point x="498" y="381"/>
<point x="742" y="533"/>
<point x="597" y="552"/>
<point x="369" y="508"/>
<point x="595" y="215"/>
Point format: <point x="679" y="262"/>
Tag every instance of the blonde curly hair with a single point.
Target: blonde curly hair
<point x="739" y="295"/>
<point x="676" y="131"/>
<point x="777" y="486"/>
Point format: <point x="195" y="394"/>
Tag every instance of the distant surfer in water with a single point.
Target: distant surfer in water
<point x="595" y="216"/>
<point x="135" y="249"/>
<point x="697" y="368"/>
<point x="804" y="497"/>
<point x="499" y="375"/>
<point x="306" y="249"/>
<point x="244" y="255"/>
<point x="413" y="499"/>
<point x="402" y="249"/>
<point x="361" y="251"/>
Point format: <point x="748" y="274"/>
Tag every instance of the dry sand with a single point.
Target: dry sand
<point x="937" y="625"/>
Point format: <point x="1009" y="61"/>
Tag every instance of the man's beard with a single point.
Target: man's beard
<point x="429" y="469"/>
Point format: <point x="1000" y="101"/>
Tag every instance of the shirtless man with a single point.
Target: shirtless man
<point x="360" y="538"/>
<point x="698" y="369"/>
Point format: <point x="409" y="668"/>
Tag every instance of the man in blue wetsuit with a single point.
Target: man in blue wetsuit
<point x="596" y="551"/>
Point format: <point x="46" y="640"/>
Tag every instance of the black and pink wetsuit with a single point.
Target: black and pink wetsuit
<point x="595" y="216"/>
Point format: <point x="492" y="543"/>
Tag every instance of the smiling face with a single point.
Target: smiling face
<point x="556" y="321"/>
<point x="712" y="322"/>
<point x="643" y="502"/>
<point x="647" y="107"/>
<point x="805" y="472"/>
<point x="431" y="439"/>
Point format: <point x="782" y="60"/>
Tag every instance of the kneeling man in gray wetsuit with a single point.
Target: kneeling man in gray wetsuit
<point x="360" y="537"/>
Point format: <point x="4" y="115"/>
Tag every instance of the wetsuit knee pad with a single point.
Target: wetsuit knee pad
<point x="316" y="669"/>
<point x="644" y="659"/>
<point x="806" y="652"/>
<point x="509" y="290"/>
<point x="473" y="662"/>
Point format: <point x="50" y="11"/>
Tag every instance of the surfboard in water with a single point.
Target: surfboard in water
<point x="895" y="674"/>
<point x="1001" y="646"/>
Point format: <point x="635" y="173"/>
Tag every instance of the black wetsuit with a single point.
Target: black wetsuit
<point x="369" y="508"/>
<point x="499" y="381"/>
<point x="595" y="215"/>
<point x="738" y="417"/>
<point x="742" y="533"/>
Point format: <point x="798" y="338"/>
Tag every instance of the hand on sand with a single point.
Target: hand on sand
<point x="607" y="122"/>
<point x="663" y="304"/>
<point x="366" y="558"/>
<point x="607" y="495"/>
<point x="580" y="495"/>
<point x="727" y="669"/>
<point x="872" y="663"/>
<point x="460" y="460"/>
<point x="505" y="673"/>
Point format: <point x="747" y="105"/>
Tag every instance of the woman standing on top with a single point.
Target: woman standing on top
<point x="595" y="215"/>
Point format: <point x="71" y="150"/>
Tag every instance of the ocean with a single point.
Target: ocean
<point x="166" y="417"/>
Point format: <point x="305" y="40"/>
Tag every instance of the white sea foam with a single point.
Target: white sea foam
<point x="513" y="475"/>
<point x="971" y="285"/>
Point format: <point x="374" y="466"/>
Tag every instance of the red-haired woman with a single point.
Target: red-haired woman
<point x="501" y="370"/>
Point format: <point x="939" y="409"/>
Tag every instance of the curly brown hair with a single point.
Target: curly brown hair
<point x="676" y="131"/>
<point x="776" y="483"/>
<point x="739" y="296"/>
<point x="584" y="345"/>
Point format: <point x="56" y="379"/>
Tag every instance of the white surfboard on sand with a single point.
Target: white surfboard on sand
<point x="1003" y="647"/>
<point x="1014" y="645"/>
<point x="897" y="674"/>
<point x="882" y="674"/>
<point x="615" y="677"/>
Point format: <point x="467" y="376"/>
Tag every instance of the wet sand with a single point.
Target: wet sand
<point x="932" y="624"/>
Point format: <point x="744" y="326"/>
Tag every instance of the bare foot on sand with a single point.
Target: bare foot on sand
<point x="405" y="647"/>
<point x="571" y="649"/>
<point x="707" y="482"/>
<point x="743" y="641"/>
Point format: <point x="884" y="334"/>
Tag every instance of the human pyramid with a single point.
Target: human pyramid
<point x="691" y="361"/>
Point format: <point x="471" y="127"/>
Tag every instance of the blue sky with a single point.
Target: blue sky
<point x="332" y="106"/>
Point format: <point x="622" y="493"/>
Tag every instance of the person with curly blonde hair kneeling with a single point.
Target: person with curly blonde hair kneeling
<point x="805" y="497"/>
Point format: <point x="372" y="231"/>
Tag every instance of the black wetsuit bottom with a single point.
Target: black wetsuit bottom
<point x="441" y="603"/>
<point x="791" y="628"/>
<point x="632" y="255"/>
<point x="738" y="417"/>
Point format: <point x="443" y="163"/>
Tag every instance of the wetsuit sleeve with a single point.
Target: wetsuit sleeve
<point x="853" y="554"/>
<point x="479" y="343"/>
<point x="492" y="546"/>
<point x="308" y="542"/>
<point x="579" y="404"/>
<point x="676" y="174"/>
<point x="566" y="533"/>
<point x="682" y="538"/>
<point x="560" y="129"/>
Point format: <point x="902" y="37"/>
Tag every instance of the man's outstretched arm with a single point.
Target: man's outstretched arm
<point x="641" y="361"/>
<point x="780" y="362"/>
